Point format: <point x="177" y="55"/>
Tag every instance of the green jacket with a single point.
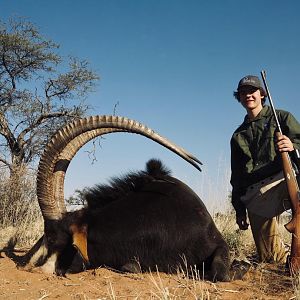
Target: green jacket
<point x="253" y="154"/>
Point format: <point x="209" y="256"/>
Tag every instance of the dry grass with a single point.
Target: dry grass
<point x="240" y="242"/>
<point x="20" y="216"/>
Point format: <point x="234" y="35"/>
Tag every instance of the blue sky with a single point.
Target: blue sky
<point x="172" y="65"/>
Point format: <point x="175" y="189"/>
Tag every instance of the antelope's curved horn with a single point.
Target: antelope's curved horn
<point x="67" y="141"/>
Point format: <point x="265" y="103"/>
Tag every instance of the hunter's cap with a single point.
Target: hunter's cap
<point x="250" y="80"/>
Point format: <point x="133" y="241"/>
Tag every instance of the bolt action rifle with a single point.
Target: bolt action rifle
<point x="294" y="194"/>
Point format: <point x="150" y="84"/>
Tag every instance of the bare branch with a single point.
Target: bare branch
<point x="4" y="161"/>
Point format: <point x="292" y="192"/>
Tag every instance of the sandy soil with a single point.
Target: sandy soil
<point x="261" y="282"/>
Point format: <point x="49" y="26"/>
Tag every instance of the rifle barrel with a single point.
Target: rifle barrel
<point x="263" y="75"/>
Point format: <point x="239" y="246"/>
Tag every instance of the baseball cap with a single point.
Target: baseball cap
<point x="250" y="80"/>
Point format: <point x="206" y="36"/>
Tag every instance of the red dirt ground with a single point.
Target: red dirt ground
<point x="263" y="282"/>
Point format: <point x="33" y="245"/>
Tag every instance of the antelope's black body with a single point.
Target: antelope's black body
<point x="147" y="221"/>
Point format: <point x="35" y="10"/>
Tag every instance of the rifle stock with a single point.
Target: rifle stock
<point x="294" y="194"/>
<point x="294" y="225"/>
<point x="293" y="189"/>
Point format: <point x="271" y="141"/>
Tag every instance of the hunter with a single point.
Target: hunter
<point x="258" y="186"/>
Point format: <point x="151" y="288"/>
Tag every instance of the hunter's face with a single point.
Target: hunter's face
<point x="250" y="97"/>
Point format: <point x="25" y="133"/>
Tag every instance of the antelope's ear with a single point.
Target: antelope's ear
<point x="79" y="235"/>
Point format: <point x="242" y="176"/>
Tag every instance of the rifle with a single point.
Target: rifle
<point x="294" y="194"/>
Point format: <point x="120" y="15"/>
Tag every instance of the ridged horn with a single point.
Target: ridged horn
<point x="65" y="144"/>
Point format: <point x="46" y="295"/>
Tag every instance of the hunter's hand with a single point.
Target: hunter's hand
<point x="284" y="144"/>
<point x="242" y="222"/>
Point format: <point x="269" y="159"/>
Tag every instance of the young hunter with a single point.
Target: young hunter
<point x="258" y="185"/>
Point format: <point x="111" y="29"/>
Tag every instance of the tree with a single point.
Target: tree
<point x="36" y="96"/>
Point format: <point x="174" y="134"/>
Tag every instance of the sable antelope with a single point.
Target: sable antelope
<point x="144" y="221"/>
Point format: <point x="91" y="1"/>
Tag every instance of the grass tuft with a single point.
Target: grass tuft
<point x="20" y="216"/>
